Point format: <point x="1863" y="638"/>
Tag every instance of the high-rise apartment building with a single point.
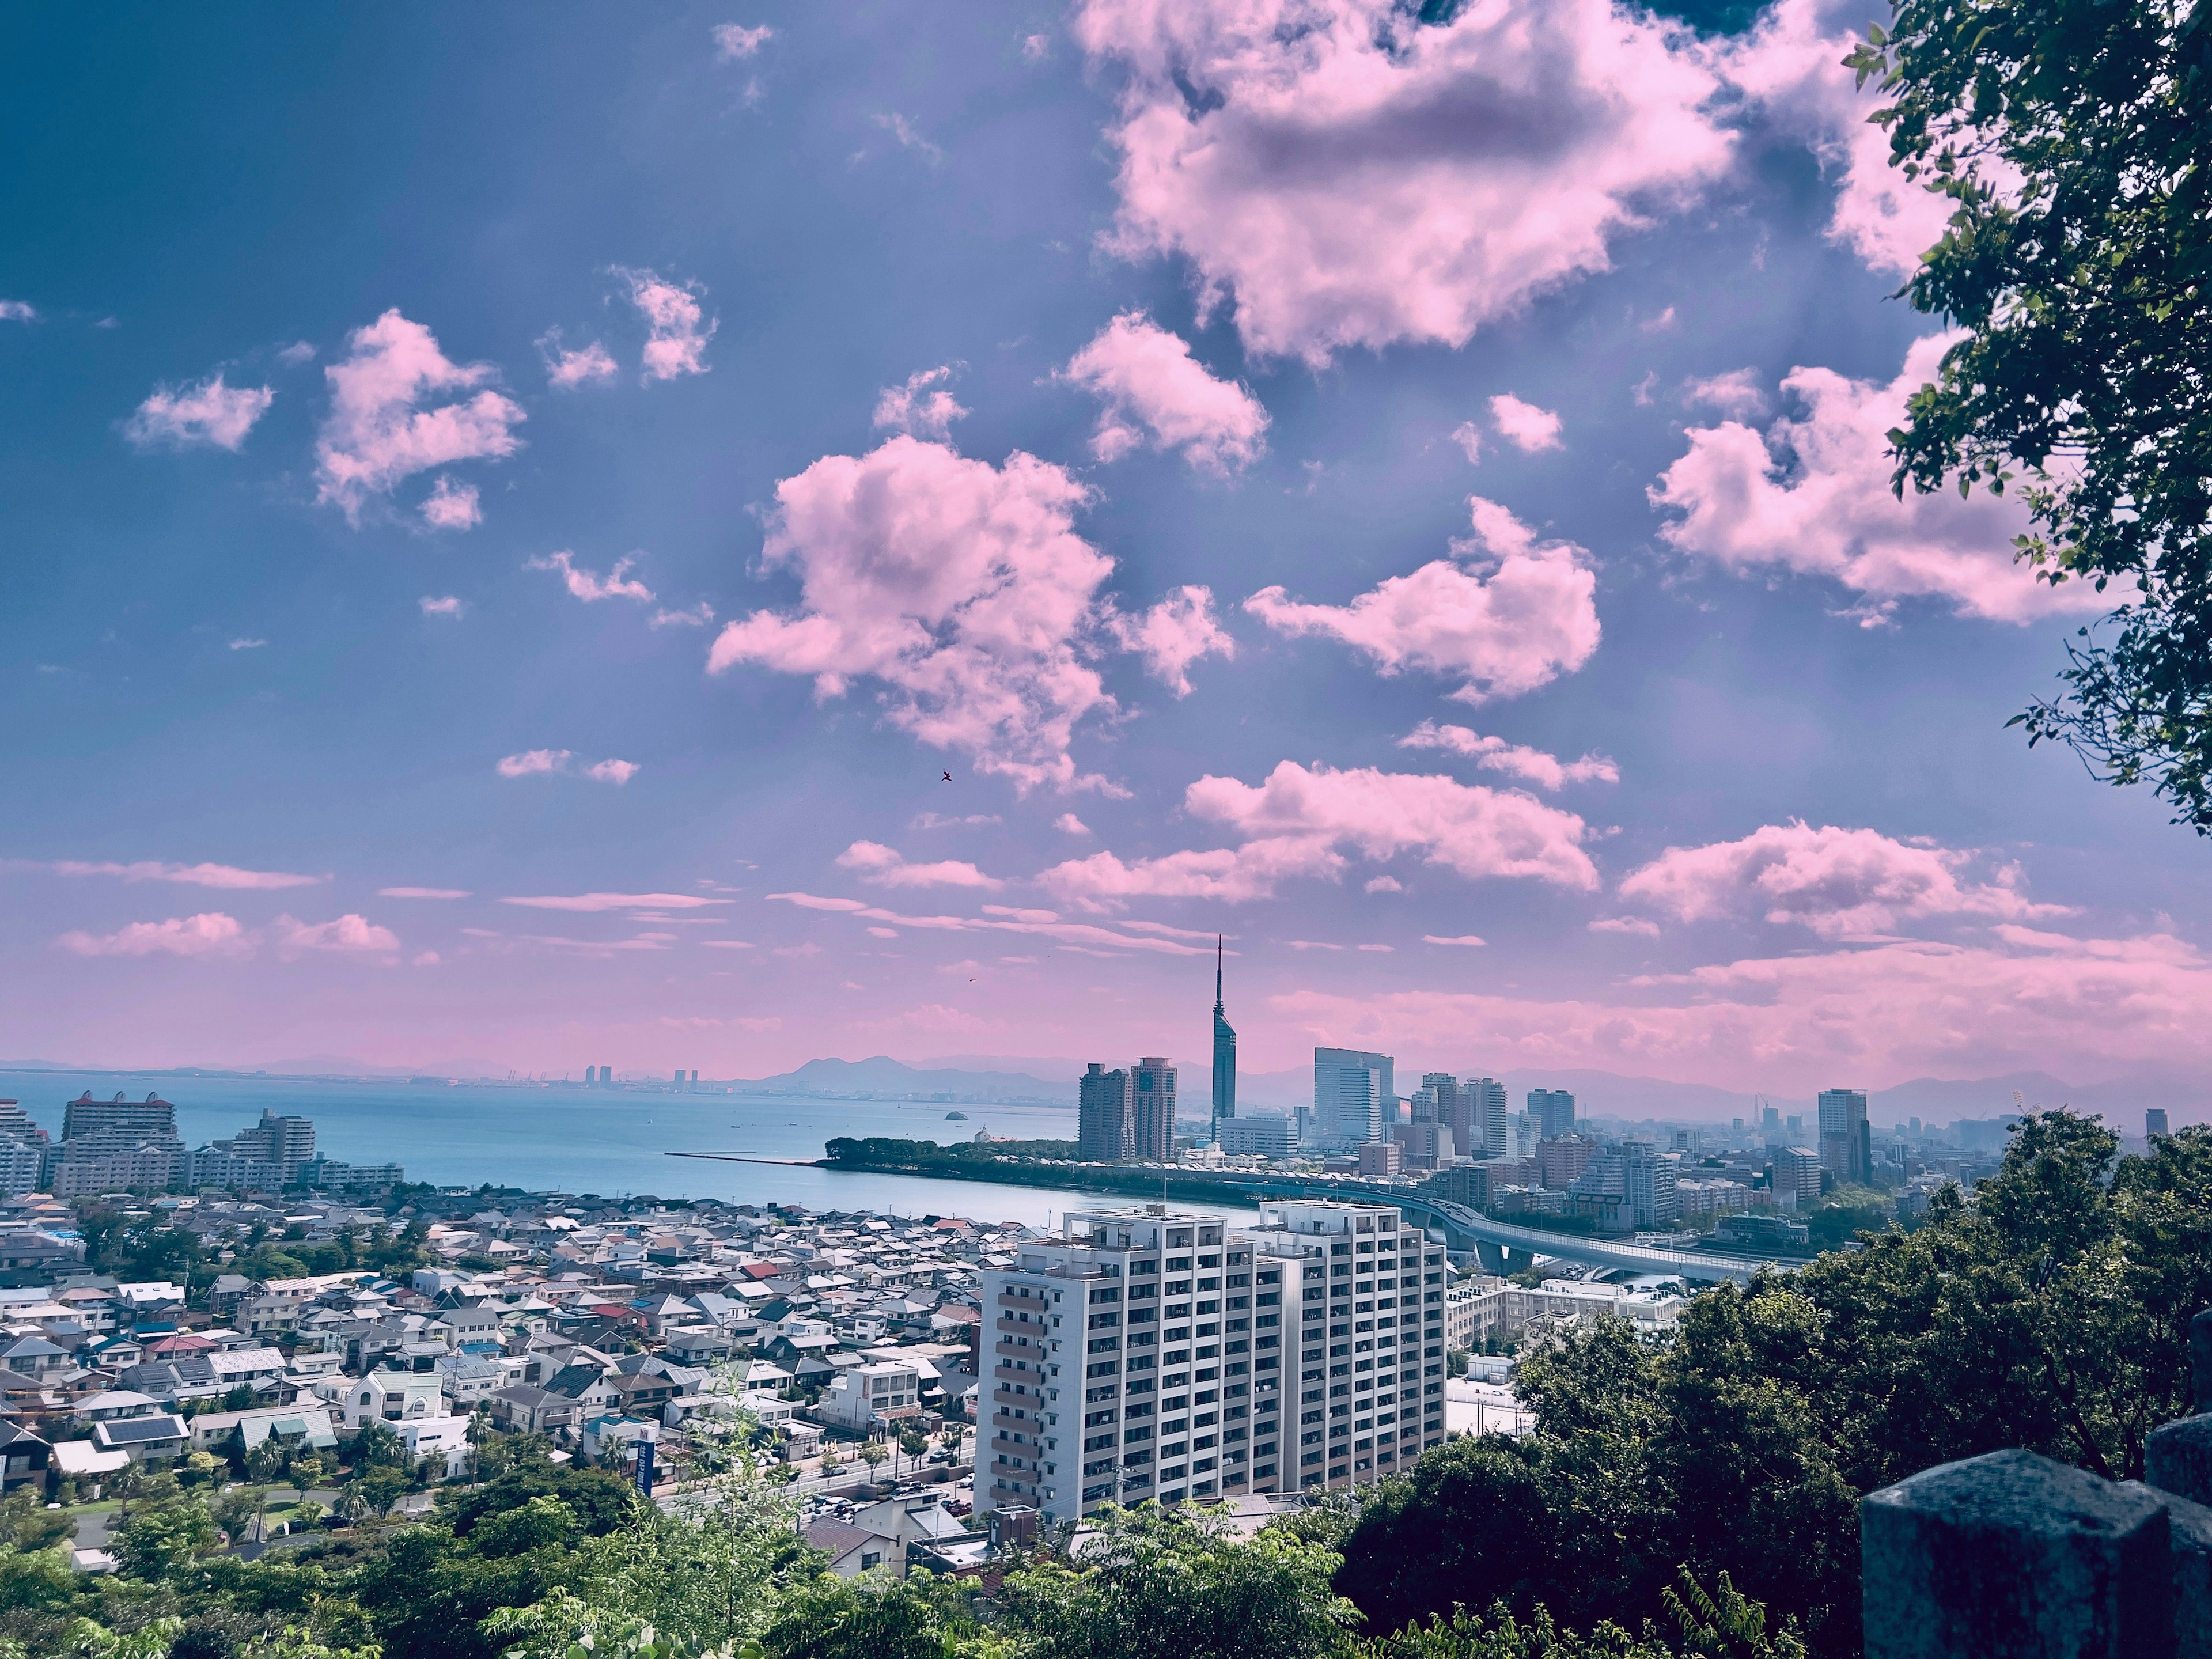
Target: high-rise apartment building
<point x="1152" y="1110"/>
<point x="1146" y="1354"/>
<point x="1225" y="1054"/>
<point x="1105" y="1118"/>
<point x="1554" y="1110"/>
<point x="116" y="1144"/>
<point x="1447" y="1106"/>
<point x="1355" y="1095"/>
<point x="1651" y="1176"/>
<point x="1846" y="1141"/>
<point x="1485" y="1100"/>
<point x="1796" y="1175"/>
<point x="286" y="1142"/>
<point x="153" y="1118"/>
<point x="2154" y="1122"/>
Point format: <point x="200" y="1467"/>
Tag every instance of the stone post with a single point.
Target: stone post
<point x="2012" y="1556"/>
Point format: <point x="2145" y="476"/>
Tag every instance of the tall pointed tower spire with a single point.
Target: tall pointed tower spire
<point x="1224" y="1052"/>
<point x="1217" y="976"/>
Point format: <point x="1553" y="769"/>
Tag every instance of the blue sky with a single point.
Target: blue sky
<point x="259" y="700"/>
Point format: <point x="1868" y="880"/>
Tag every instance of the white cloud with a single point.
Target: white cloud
<point x="1510" y="615"/>
<point x="1639" y="925"/>
<point x="1002" y="919"/>
<point x="1349" y="176"/>
<point x="1036" y="47"/>
<point x="1068" y="825"/>
<point x="247" y="645"/>
<point x="379" y="431"/>
<point x="1154" y="390"/>
<point x="594" y="903"/>
<point x="1383" y="884"/>
<point x="883" y="866"/>
<point x="616" y="584"/>
<point x="1737" y="394"/>
<point x="1309" y="821"/>
<point x="697" y="616"/>
<point x="422" y="892"/>
<point x="1174" y="633"/>
<point x="425" y="959"/>
<point x="440" y="605"/>
<point x="939" y="821"/>
<point x="1468" y="436"/>
<point x="452" y="505"/>
<point x="616" y="772"/>
<point x="566" y="369"/>
<point x="299" y="351"/>
<point x="1840" y="883"/>
<point x="909" y="136"/>
<point x="1470" y="940"/>
<point x="1527" y="427"/>
<point x="531" y="762"/>
<point x="210" y="934"/>
<point x="1494" y="754"/>
<point x="18" y="311"/>
<point x="961" y="587"/>
<point x="678" y="329"/>
<point x="1812" y="496"/>
<point x="349" y="934"/>
<point x="734" y="40"/>
<point x="225" y="878"/>
<point x="209" y="412"/>
<point x="922" y="408"/>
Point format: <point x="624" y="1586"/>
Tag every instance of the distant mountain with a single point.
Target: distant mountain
<point x="882" y="1075"/>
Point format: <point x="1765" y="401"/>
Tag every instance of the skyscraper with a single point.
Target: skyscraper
<point x="1486" y="1111"/>
<point x="1447" y="1109"/>
<point x="1225" y="1054"/>
<point x="1152" y="1110"/>
<point x="1554" y="1110"/>
<point x="1105" y="1116"/>
<point x="1353" y="1093"/>
<point x="2154" y="1120"/>
<point x="1846" y="1143"/>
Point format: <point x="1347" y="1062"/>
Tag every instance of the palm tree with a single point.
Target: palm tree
<point x="351" y="1508"/>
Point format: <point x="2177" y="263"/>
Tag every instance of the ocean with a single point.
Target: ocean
<point x="613" y="1143"/>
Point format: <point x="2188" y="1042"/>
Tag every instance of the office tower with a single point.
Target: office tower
<point x="1152" y="1114"/>
<point x="1102" y="1387"/>
<point x="1354" y="1093"/>
<point x="1225" y="1054"/>
<point x="1796" y="1175"/>
<point x="1770" y="1124"/>
<point x="1560" y="1161"/>
<point x="1486" y="1113"/>
<point x="1257" y="1134"/>
<point x="1105" y="1116"/>
<point x="1554" y="1110"/>
<point x="1650" y="1177"/>
<point x="1422" y="1104"/>
<point x="2154" y="1122"/>
<point x="1846" y="1142"/>
<point x="1451" y="1108"/>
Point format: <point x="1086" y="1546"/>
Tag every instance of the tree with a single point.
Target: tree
<point x="376" y="1445"/>
<point x="2071" y="137"/>
<point x="1175" y="1584"/>
<point x="873" y="1618"/>
<point x="156" y="1541"/>
<point x="872" y="1454"/>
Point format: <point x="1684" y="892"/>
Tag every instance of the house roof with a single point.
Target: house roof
<point x="140" y="1430"/>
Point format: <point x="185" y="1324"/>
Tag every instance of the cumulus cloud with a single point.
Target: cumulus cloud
<point x="18" y="311"/>
<point x="383" y="426"/>
<point x="1348" y="175"/>
<point x="1156" y="392"/>
<point x="1308" y="822"/>
<point x="962" y="588"/>
<point x="434" y="604"/>
<point x="1494" y="754"/>
<point x="210" y="934"/>
<point x="734" y="40"/>
<point x="696" y="616"/>
<point x="883" y="866"/>
<point x="923" y="407"/>
<point x="1527" y="427"/>
<point x="2079" y="1007"/>
<point x="1793" y="65"/>
<point x="422" y="892"/>
<point x="243" y="644"/>
<point x="1507" y="614"/>
<point x="1812" y="494"/>
<point x="299" y="351"/>
<point x="1082" y="936"/>
<point x="566" y="369"/>
<point x="1736" y="394"/>
<point x="208" y="412"/>
<point x="226" y="878"/>
<point x="1174" y="633"/>
<point x="1640" y="925"/>
<point x="616" y="584"/>
<point x="678" y="329"/>
<point x="1068" y="825"/>
<point x="616" y="772"/>
<point x="1840" y="883"/>
<point x="452" y="505"/>
<point x="1472" y="941"/>
<point x="349" y="934"/>
<point x="531" y="762"/>
<point x="594" y="903"/>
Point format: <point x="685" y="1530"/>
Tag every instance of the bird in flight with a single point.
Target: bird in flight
<point x="948" y="777"/>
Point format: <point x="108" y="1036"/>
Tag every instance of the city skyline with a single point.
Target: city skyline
<point x="723" y="539"/>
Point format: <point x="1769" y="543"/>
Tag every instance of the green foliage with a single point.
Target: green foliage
<point x="1175" y="1584"/>
<point x="876" y="1617"/>
<point x="158" y="1541"/>
<point x="28" y="1525"/>
<point x="600" y="1503"/>
<point x="2052" y="1312"/>
<point x="2081" y="288"/>
<point x="1721" y="1625"/>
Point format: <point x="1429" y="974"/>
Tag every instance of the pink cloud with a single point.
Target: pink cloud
<point x="1001" y="919"/>
<point x="378" y="431"/>
<point x="422" y="892"/>
<point x="734" y="40"/>
<point x="1068" y="825"/>
<point x="1812" y="494"/>
<point x="1494" y="754"/>
<point x="616" y="772"/>
<point x="224" y="877"/>
<point x="883" y="866"/>
<point x="1527" y="427"/>
<point x="1174" y="633"/>
<point x="696" y="616"/>
<point x="1470" y="940"/>
<point x="440" y="605"/>
<point x="532" y="762"/>
<point x="1308" y="822"/>
<point x="1154" y="390"/>
<point x="1737" y="394"/>
<point x="616" y="584"/>
<point x="1641" y="926"/>
<point x="452" y="505"/>
<point x="961" y="587"/>
<point x="1352" y="177"/>
<point x="1468" y="436"/>
<point x="210" y="934"/>
<point x="922" y="408"/>
<point x="678" y="329"/>
<point x="1877" y="1015"/>
<point x="209" y="412"/>
<point x="1837" y="881"/>
<point x="566" y="370"/>
<point x="1508" y="615"/>
<point x="349" y="934"/>
<point x="594" y="903"/>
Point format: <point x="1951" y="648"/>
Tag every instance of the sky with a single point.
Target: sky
<point x="710" y="537"/>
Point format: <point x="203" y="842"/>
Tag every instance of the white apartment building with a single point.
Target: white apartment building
<point x="1147" y="1354"/>
<point x="869" y="1397"/>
